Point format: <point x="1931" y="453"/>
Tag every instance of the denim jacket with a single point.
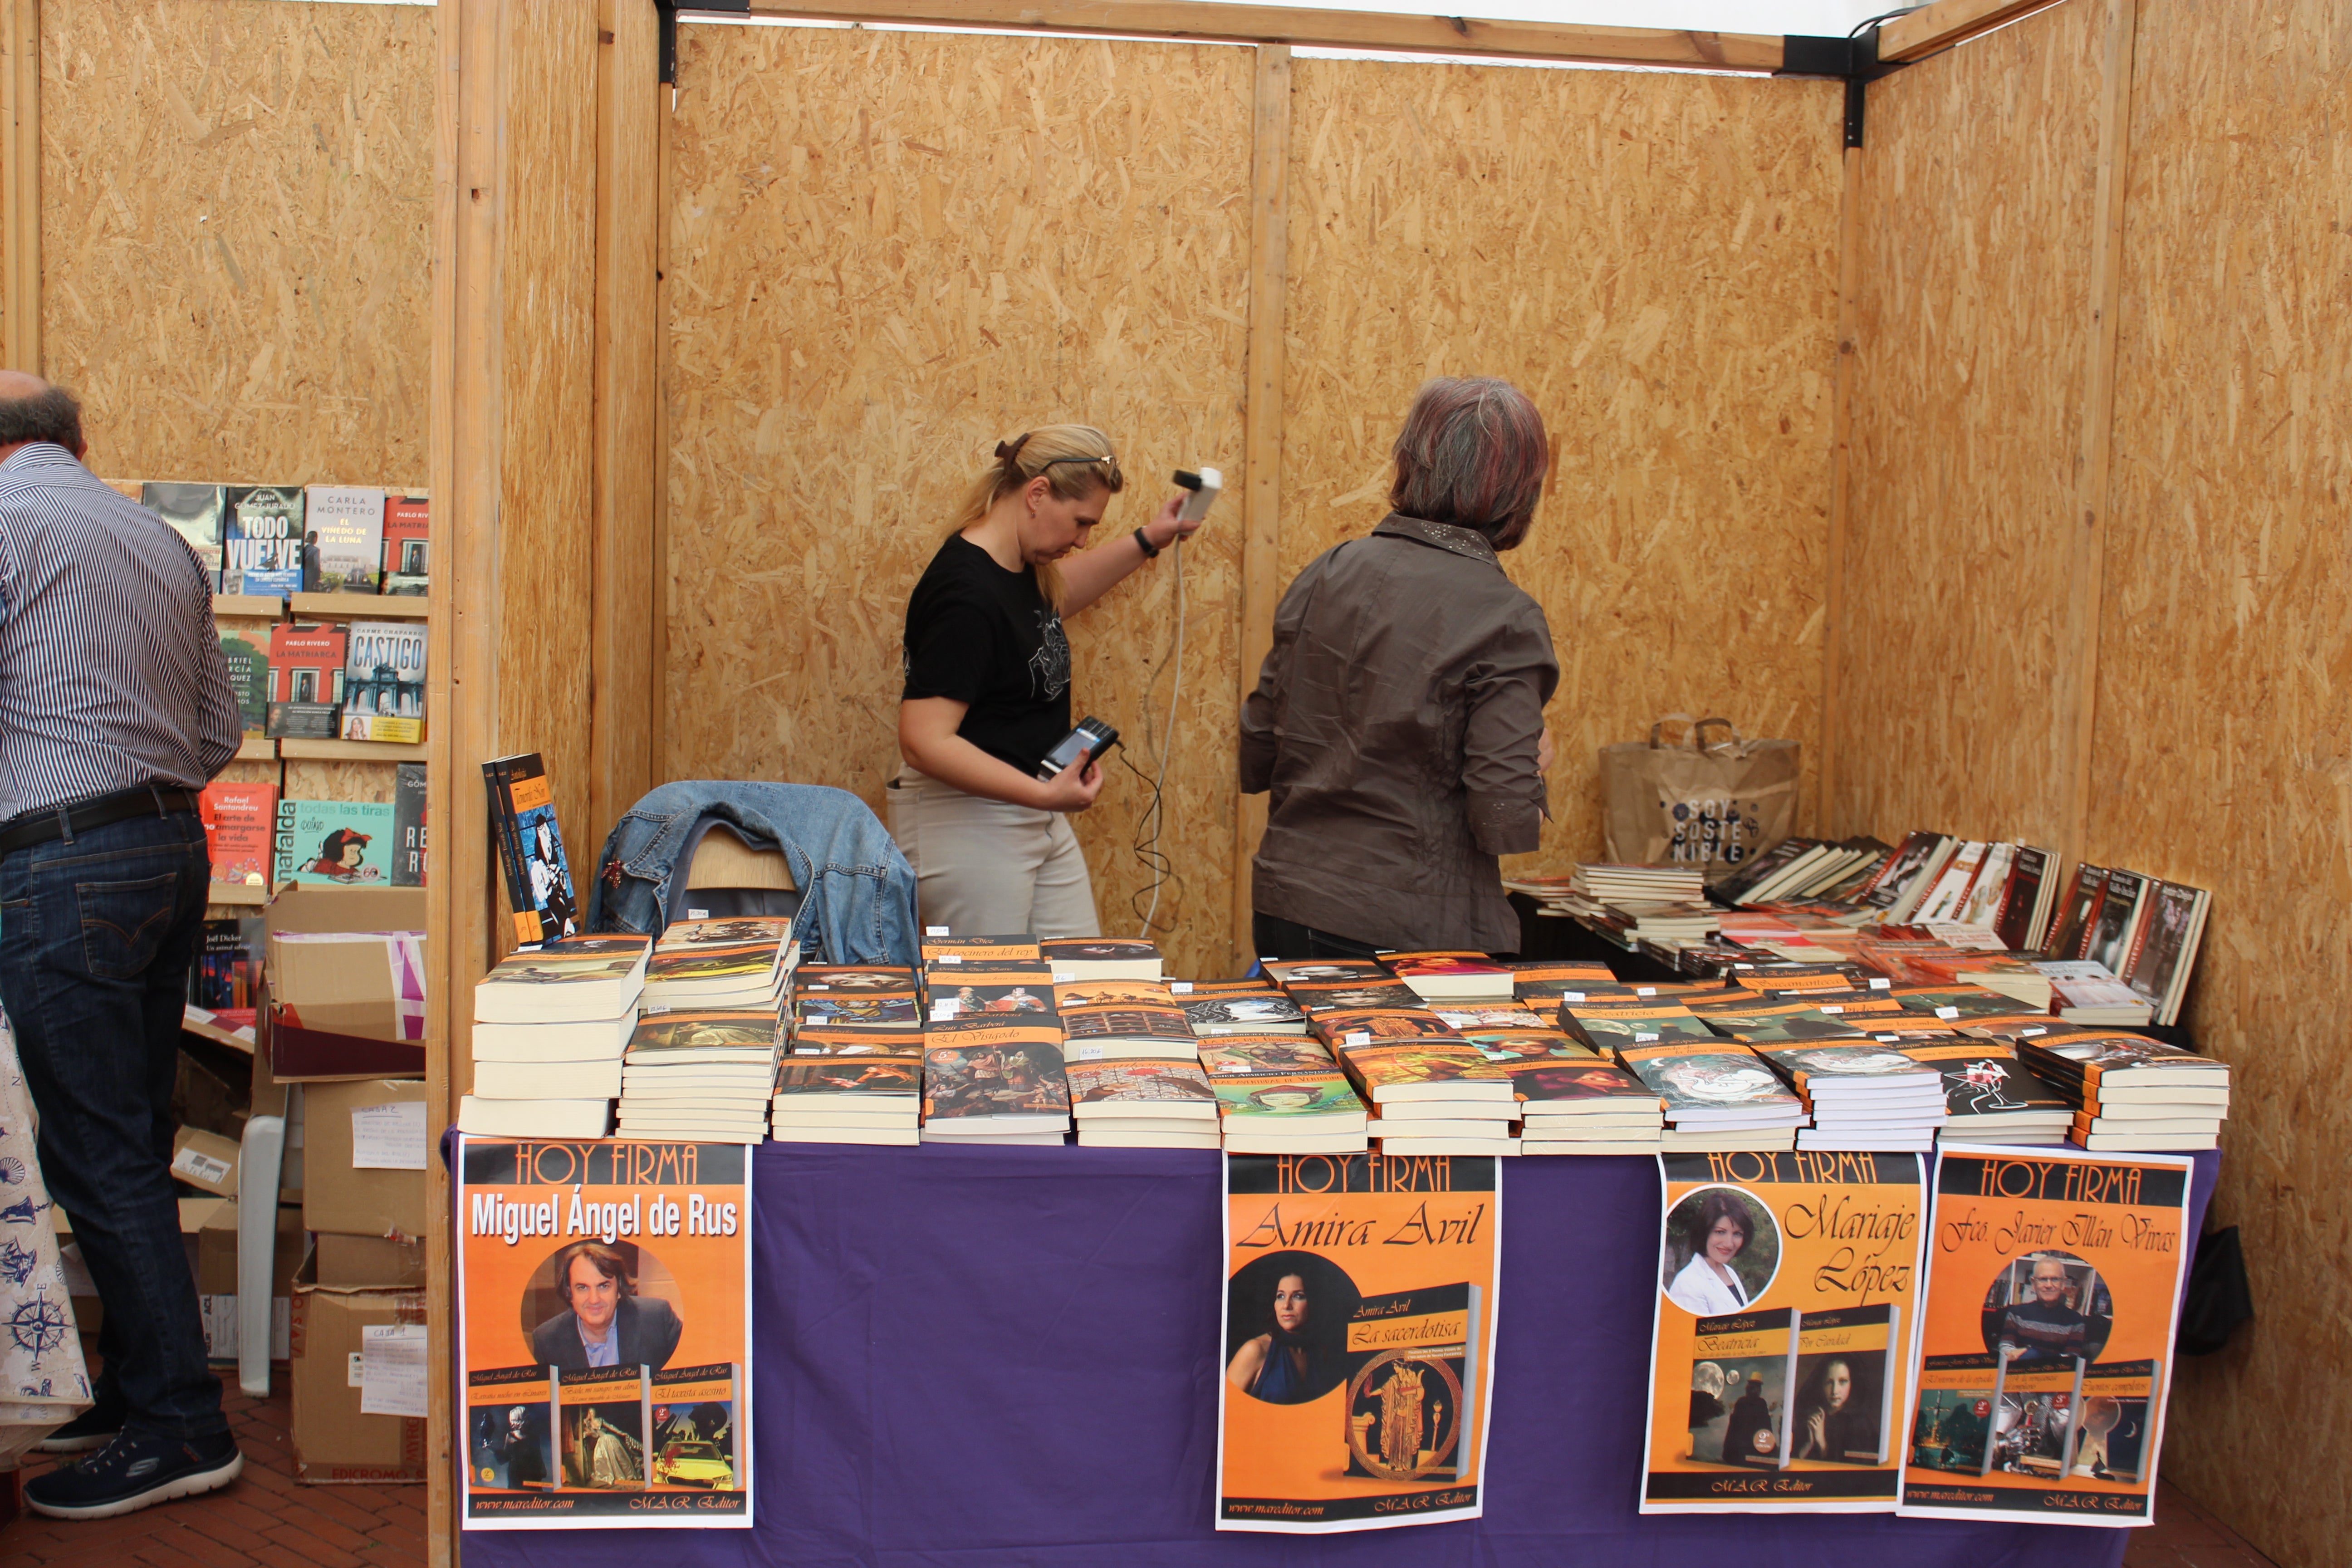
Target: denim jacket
<point x="857" y="893"/>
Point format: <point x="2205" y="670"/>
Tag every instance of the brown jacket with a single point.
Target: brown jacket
<point x="1396" y="721"/>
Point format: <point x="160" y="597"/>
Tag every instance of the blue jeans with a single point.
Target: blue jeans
<point x="96" y="935"/>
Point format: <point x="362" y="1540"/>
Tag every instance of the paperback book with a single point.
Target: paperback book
<point x="333" y="843"/>
<point x="262" y="547"/>
<point x="248" y="679"/>
<point x="408" y="826"/>
<point x="383" y="683"/>
<point x="195" y="513"/>
<point x="346" y="522"/>
<point x="531" y="849"/>
<point x="306" y="679"/>
<point x="405" y="545"/>
<point x="241" y="829"/>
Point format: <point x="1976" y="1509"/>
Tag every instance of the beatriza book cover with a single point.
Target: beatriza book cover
<point x="347" y="521"/>
<point x="1360" y="1311"/>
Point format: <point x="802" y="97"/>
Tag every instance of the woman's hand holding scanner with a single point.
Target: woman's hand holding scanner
<point x="1074" y="788"/>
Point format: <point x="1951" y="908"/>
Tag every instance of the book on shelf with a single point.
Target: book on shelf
<point x="262" y="549"/>
<point x="2116" y="921"/>
<point x="2070" y="935"/>
<point x="248" y="679"/>
<point x="226" y="975"/>
<point x="240" y="830"/>
<point x="306" y="679"/>
<point x="383" y="683"/>
<point x="407" y="545"/>
<point x="195" y="512"/>
<point x="531" y="849"/>
<point x="408" y="826"/>
<point x="333" y="843"/>
<point x="346" y="523"/>
<point x="2021" y="917"/>
<point x="2164" y="952"/>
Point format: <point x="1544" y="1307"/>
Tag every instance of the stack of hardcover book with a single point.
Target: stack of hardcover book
<point x="550" y="1027"/>
<point x="703" y="1074"/>
<point x="1139" y="1103"/>
<point x="1282" y="1094"/>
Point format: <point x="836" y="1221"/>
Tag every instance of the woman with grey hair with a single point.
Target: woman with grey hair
<point x="1398" y="721"/>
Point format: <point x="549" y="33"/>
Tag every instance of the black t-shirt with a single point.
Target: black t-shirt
<point x="987" y="637"/>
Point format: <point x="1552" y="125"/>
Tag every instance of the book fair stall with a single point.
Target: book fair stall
<point x="1936" y="545"/>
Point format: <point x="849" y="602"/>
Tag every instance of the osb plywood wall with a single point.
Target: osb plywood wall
<point x="2224" y="750"/>
<point x="1971" y="343"/>
<point x="235" y="235"/>
<point x="1653" y="259"/>
<point x="887" y="252"/>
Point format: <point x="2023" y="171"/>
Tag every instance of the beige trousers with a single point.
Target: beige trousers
<point x="987" y="867"/>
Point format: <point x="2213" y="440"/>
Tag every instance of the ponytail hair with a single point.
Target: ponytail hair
<point x="1076" y="460"/>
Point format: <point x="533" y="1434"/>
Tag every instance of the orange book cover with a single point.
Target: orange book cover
<point x="1358" y="1341"/>
<point x="2046" y="1335"/>
<point x="642" y="1247"/>
<point x="1787" y="1284"/>
<point x="240" y="827"/>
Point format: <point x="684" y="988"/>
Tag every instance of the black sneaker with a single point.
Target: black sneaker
<point x="134" y="1472"/>
<point x="93" y="1428"/>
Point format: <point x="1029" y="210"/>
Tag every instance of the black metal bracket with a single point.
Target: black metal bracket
<point x="1853" y="60"/>
<point x="669" y="10"/>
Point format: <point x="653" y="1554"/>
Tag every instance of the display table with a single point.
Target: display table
<point x="1010" y="1356"/>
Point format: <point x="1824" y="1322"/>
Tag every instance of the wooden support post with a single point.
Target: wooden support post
<point x="632" y="106"/>
<point x="2078" y="687"/>
<point x="20" y="185"/>
<point x="1948" y="22"/>
<point x="512" y="458"/>
<point x="1262" y="428"/>
<point x="1827" y="818"/>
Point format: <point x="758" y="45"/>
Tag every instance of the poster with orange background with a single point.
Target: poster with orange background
<point x="578" y="1259"/>
<point x="2046" y="1335"/>
<point x="1358" y="1341"/>
<point x="1779" y="1349"/>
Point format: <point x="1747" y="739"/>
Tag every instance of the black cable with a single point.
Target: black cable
<point x="1150" y="855"/>
<point x="1881" y="17"/>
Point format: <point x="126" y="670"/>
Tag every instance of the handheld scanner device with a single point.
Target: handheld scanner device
<point x="1205" y="486"/>
<point x="1092" y="735"/>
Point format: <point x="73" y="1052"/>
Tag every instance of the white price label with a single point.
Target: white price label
<point x="1947" y="1012"/>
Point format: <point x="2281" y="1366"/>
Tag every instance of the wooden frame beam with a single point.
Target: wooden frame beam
<point x="1213" y="21"/>
<point x="1946" y="23"/>
<point x="1826" y="820"/>
<point x="1262" y="429"/>
<point x="20" y="185"/>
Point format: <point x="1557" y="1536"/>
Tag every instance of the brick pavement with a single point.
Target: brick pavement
<point x="265" y="1516"/>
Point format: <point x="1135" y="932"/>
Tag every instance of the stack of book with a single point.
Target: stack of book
<point x="2131" y="1093"/>
<point x="1608" y="884"/>
<point x="704" y="1074"/>
<point x="1143" y="1104"/>
<point x="2146" y="932"/>
<point x="2084" y="991"/>
<point x="1717" y="1094"/>
<point x="869" y="1097"/>
<point x="1282" y="1094"/>
<point x="548" y="1030"/>
<point x="856" y="996"/>
<point x="1587" y="1107"/>
<point x="1100" y="958"/>
<point x="1430" y="1090"/>
<point x="1989" y="1097"/>
<point x="1236" y="1007"/>
<point x="1122" y="1020"/>
<point x="1448" y="976"/>
<point x="1861" y="1095"/>
<point x="744" y="962"/>
<point x="993" y="1044"/>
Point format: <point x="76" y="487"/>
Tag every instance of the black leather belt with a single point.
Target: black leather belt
<point x="50" y="822"/>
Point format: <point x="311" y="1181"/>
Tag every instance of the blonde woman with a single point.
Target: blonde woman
<point x="988" y="688"/>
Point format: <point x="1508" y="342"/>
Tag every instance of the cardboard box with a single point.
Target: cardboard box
<point x="331" y="1012"/>
<point x="216" y="1292"/>
<point x="333" y="1441"/>
<point x="205" y="1160"/>
<point x="368" y="1259"/>
<point x="342" y="1122"/>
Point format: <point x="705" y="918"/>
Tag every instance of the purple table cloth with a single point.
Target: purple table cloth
<point x="1010" y="1356"/>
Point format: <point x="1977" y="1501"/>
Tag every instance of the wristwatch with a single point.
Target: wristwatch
<point x="1143" y="542"/>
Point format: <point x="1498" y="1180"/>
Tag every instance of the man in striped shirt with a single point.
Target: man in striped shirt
<point x="115" y="710"/>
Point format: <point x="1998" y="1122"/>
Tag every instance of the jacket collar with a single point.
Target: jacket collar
<point x="1444" y="535"/>
<point x="40" y="455"/>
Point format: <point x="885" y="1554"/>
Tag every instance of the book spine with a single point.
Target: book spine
<point x="283" y="868"/>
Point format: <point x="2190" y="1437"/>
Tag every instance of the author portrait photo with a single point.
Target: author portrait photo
<point x="1722" y="1250"/>
<point x="604" y="1322"/>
